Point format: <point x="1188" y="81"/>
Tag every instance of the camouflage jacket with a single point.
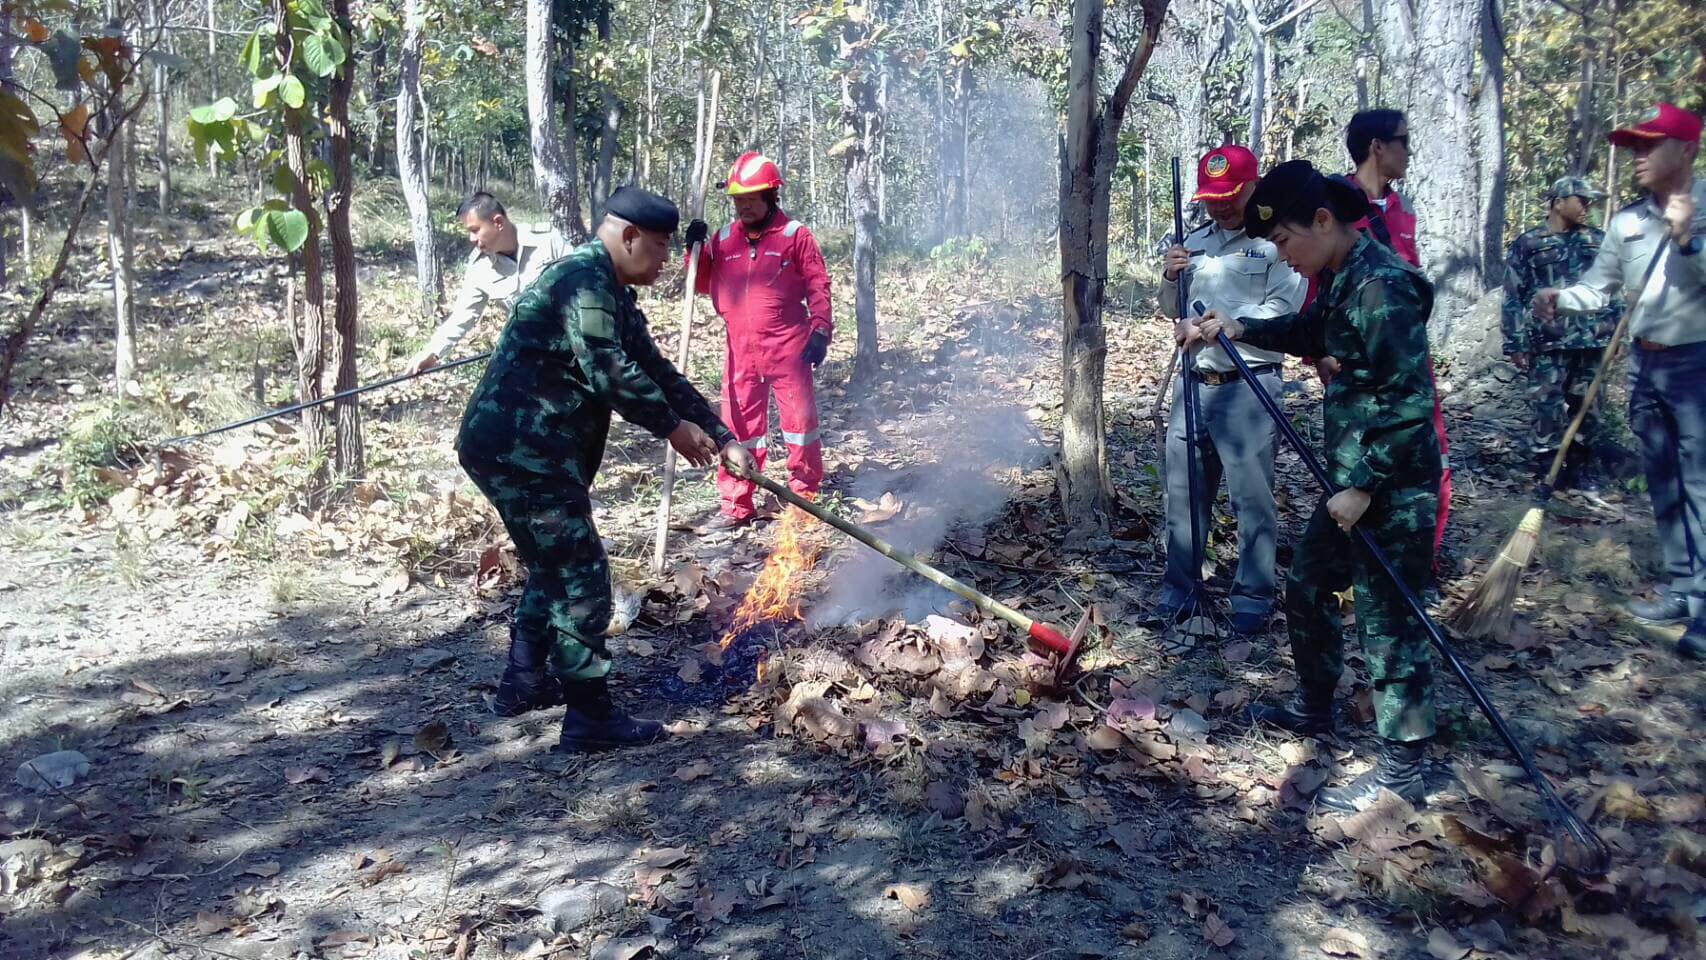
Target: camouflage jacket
<point x="575" y="349"/>
<point x="1373" y="316"/>
<point x="1539" y="259"/>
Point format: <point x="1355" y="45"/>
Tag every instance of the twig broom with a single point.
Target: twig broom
<point x="1488" y="608"/>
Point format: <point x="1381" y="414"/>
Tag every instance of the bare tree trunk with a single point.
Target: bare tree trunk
<point x="349" y="456"/>
<point x="1437" y="77"/>
<point x="119" y="260"/>
<point x="10" y="202"/>
<point x="862" y="120"/>
<point x="308" y="335"/>
<point x="603" y="176"/>
<point x="1490" y="124"/>
<point x="1258" y="75"/>
<point x="1365" y="54"/>
<point x="553" y="165"/>
<point x="953" y="151"/>
<point x="1089" y="155"/>
<point x="162" y="103"/>
<point x="429" y="280"/>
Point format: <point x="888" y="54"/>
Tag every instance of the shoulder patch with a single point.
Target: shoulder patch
<point x="792" y="227"/>
<point x="723" y="234"/>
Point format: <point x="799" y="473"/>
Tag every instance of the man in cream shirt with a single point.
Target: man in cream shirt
<point x="506" y="260"/>
<point x="1237" y="276"/>
<point x="1667" y="367"/>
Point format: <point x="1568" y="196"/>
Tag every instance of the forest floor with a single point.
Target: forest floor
<point x="290" y="749"/>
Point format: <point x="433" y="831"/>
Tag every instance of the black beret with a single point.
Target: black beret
<point x="643" y="209"/>
<point x="1293" y="191"/>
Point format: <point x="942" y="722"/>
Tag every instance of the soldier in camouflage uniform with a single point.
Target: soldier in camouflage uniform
<point x="1562" y="355"/>
<point x="576" y="349"/>
<point x="1380" y="450"/>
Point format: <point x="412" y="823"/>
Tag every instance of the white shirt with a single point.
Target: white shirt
<point x="1673" y="305"/>
<point x="495" y="277"/>
<point x="1238" y="276"/>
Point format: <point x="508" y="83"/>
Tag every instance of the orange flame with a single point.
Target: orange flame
<point x="775" y="595"/>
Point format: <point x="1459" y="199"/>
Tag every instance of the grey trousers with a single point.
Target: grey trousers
<point x="1236" y="442"/>
<point x="1667" y="412"/>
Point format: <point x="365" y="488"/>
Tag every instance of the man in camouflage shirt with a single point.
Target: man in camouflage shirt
<point x="1561" y="355"/>
<point x="576" y="349"/>
<point x="1382" y="453"/>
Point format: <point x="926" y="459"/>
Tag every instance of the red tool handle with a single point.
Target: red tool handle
<point x="1050" y="637"/>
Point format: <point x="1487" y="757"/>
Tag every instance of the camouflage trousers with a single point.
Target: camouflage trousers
<point x="565" y="606"/>
<point x="1558" y="382"/>
<point x="1394" y="646"/>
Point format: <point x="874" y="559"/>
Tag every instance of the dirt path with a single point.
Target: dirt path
<point x="290" y="752"/>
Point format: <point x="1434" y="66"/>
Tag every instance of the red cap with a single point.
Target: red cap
<point x="1222" y="173"/>
<point x="1663" y="120"/>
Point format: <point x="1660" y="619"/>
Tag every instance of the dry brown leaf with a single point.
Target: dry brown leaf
<point x="378" y="874"/>
<point x="300" y="775"/>
<point x="823" y="720"/>
<point x="693" y="771"/>
<point x="1443" y="946"/>
<point x="339" y="938"/>
<point x="266" y="870"/>
<point x="433" y="738"/>
<point x="911" y="896"/>
<point x="207" y="924"/>
<point x="1105" y="737"/>
<point x="1342" y="942"/>
<point x="1623" y="802"/>
<point x="1216" y="933"/>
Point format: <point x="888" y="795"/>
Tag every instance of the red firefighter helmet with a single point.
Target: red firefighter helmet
<point x="753" y="172"/>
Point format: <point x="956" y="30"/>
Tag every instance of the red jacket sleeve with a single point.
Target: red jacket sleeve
<point x="702" y="279"/>
<point x="816" y="275"/>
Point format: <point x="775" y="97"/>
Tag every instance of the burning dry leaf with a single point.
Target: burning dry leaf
<point x="1443" y="946"/>
<point x="300" y="775"/>
<point x="911" y="896"/>
<point x="1216" y="933"/>
<point x="1340" y="942"/>
<point x="434" y="738"/>
<point x="693" y="771"/>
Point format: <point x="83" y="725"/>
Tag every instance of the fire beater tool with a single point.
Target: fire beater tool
<point x="1055" y="641"/>
<point x="333" y="398"/>
<point x="1199" y="616"/>
<point x="1581" y="850"/>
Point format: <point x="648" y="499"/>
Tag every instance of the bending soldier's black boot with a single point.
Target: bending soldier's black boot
<point x="1398" y="769"/>
<point x="592" y="722"/>
<point x="1669" y="608"/>
<point x="523" y="691"/>
<point x="1309" y="716"/>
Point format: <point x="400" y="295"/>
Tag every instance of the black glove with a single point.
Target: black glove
<point x="697" y="231"/>
<point x="817" y="347"/>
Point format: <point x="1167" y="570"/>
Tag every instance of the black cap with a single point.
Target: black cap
<point x="643" y="209"/>
<point x="1293" y="191"/>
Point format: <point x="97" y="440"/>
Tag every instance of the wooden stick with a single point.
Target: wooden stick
<point x="701" y="171"/>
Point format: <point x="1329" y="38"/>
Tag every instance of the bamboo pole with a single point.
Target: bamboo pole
<point x="701" y="172"/>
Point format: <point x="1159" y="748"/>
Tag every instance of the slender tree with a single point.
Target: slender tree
<point x="429" y="280"/>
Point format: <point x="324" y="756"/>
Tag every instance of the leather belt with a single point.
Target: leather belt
<point x="1215" y="378"/>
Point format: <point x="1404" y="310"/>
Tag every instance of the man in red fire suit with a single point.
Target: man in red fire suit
<point x="767" y="280"/>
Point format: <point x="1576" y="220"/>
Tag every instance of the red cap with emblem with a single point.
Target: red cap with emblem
<point x="1662" y="121"/>
<point x="1223" y="172"/>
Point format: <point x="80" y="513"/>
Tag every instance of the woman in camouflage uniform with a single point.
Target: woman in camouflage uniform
<point x="1381" y="451"/>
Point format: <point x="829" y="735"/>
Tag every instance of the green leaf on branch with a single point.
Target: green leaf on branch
<point x="261" y="90"/>
<point x="218" y="111"/>
<point x="322" y="54"/>
<point x="292" y="92"/>
<point x="284" y="229"/>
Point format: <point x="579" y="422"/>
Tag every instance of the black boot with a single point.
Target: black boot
<point x="1306" y="716"/>
<point x="522" y="691"/>
<point x="1669" y="608"/>
<point x="592" y="722"/>
<point x="1398" y="769"/>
